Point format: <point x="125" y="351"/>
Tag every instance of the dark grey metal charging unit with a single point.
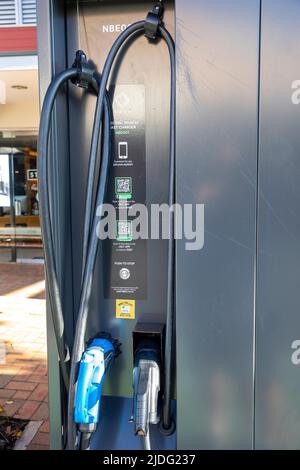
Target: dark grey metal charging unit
<point x="238" y="152"/>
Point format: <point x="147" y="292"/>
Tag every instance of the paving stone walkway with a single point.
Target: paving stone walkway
<point x="23" y="352"/>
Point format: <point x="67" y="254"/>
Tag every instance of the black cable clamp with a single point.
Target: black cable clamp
<point x="153" y="21"/>
<point x="86" y="72"/>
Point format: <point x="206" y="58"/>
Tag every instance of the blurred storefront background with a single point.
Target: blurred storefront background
<point x="20" y="233"/>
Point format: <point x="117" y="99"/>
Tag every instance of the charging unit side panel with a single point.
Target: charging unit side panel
<point x="217" y="46"/>
<point x="93" y="27"/>
<point x="52" y="60"/>
<point x="277" y="405"/>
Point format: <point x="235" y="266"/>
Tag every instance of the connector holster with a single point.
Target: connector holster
<point x="153" y="21"/>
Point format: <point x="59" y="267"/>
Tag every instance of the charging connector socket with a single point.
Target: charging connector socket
<point x="150" y="336"/>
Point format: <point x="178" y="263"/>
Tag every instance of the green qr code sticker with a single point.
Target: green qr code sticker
<point x="123" y="187"/>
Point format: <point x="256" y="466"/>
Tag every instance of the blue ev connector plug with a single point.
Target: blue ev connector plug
<point x="94" y="365"/>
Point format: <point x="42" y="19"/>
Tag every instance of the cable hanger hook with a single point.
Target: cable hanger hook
<point x="154" y="20"/>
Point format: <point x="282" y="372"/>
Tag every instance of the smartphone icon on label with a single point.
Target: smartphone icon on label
<point x="123" y="150"/>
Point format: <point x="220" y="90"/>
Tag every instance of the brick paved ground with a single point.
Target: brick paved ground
<point x="23" y="355"/>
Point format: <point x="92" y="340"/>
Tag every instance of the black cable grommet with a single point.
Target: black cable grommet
<point x="167" y="431"/>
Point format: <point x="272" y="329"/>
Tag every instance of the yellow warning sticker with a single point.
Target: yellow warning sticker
<point x="125" y="309"/>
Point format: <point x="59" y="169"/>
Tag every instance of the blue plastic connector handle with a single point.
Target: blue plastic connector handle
<point x="92" y="370"/>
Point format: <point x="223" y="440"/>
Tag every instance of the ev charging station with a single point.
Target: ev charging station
<point x="196" y="102"/>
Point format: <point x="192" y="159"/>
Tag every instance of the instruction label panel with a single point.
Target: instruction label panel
<point x="125" y="258"/>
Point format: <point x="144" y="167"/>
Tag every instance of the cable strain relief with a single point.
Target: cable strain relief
<point x="87" y="427"/>
<point x="105" y="335"/>
<point x="167" y="431"/>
